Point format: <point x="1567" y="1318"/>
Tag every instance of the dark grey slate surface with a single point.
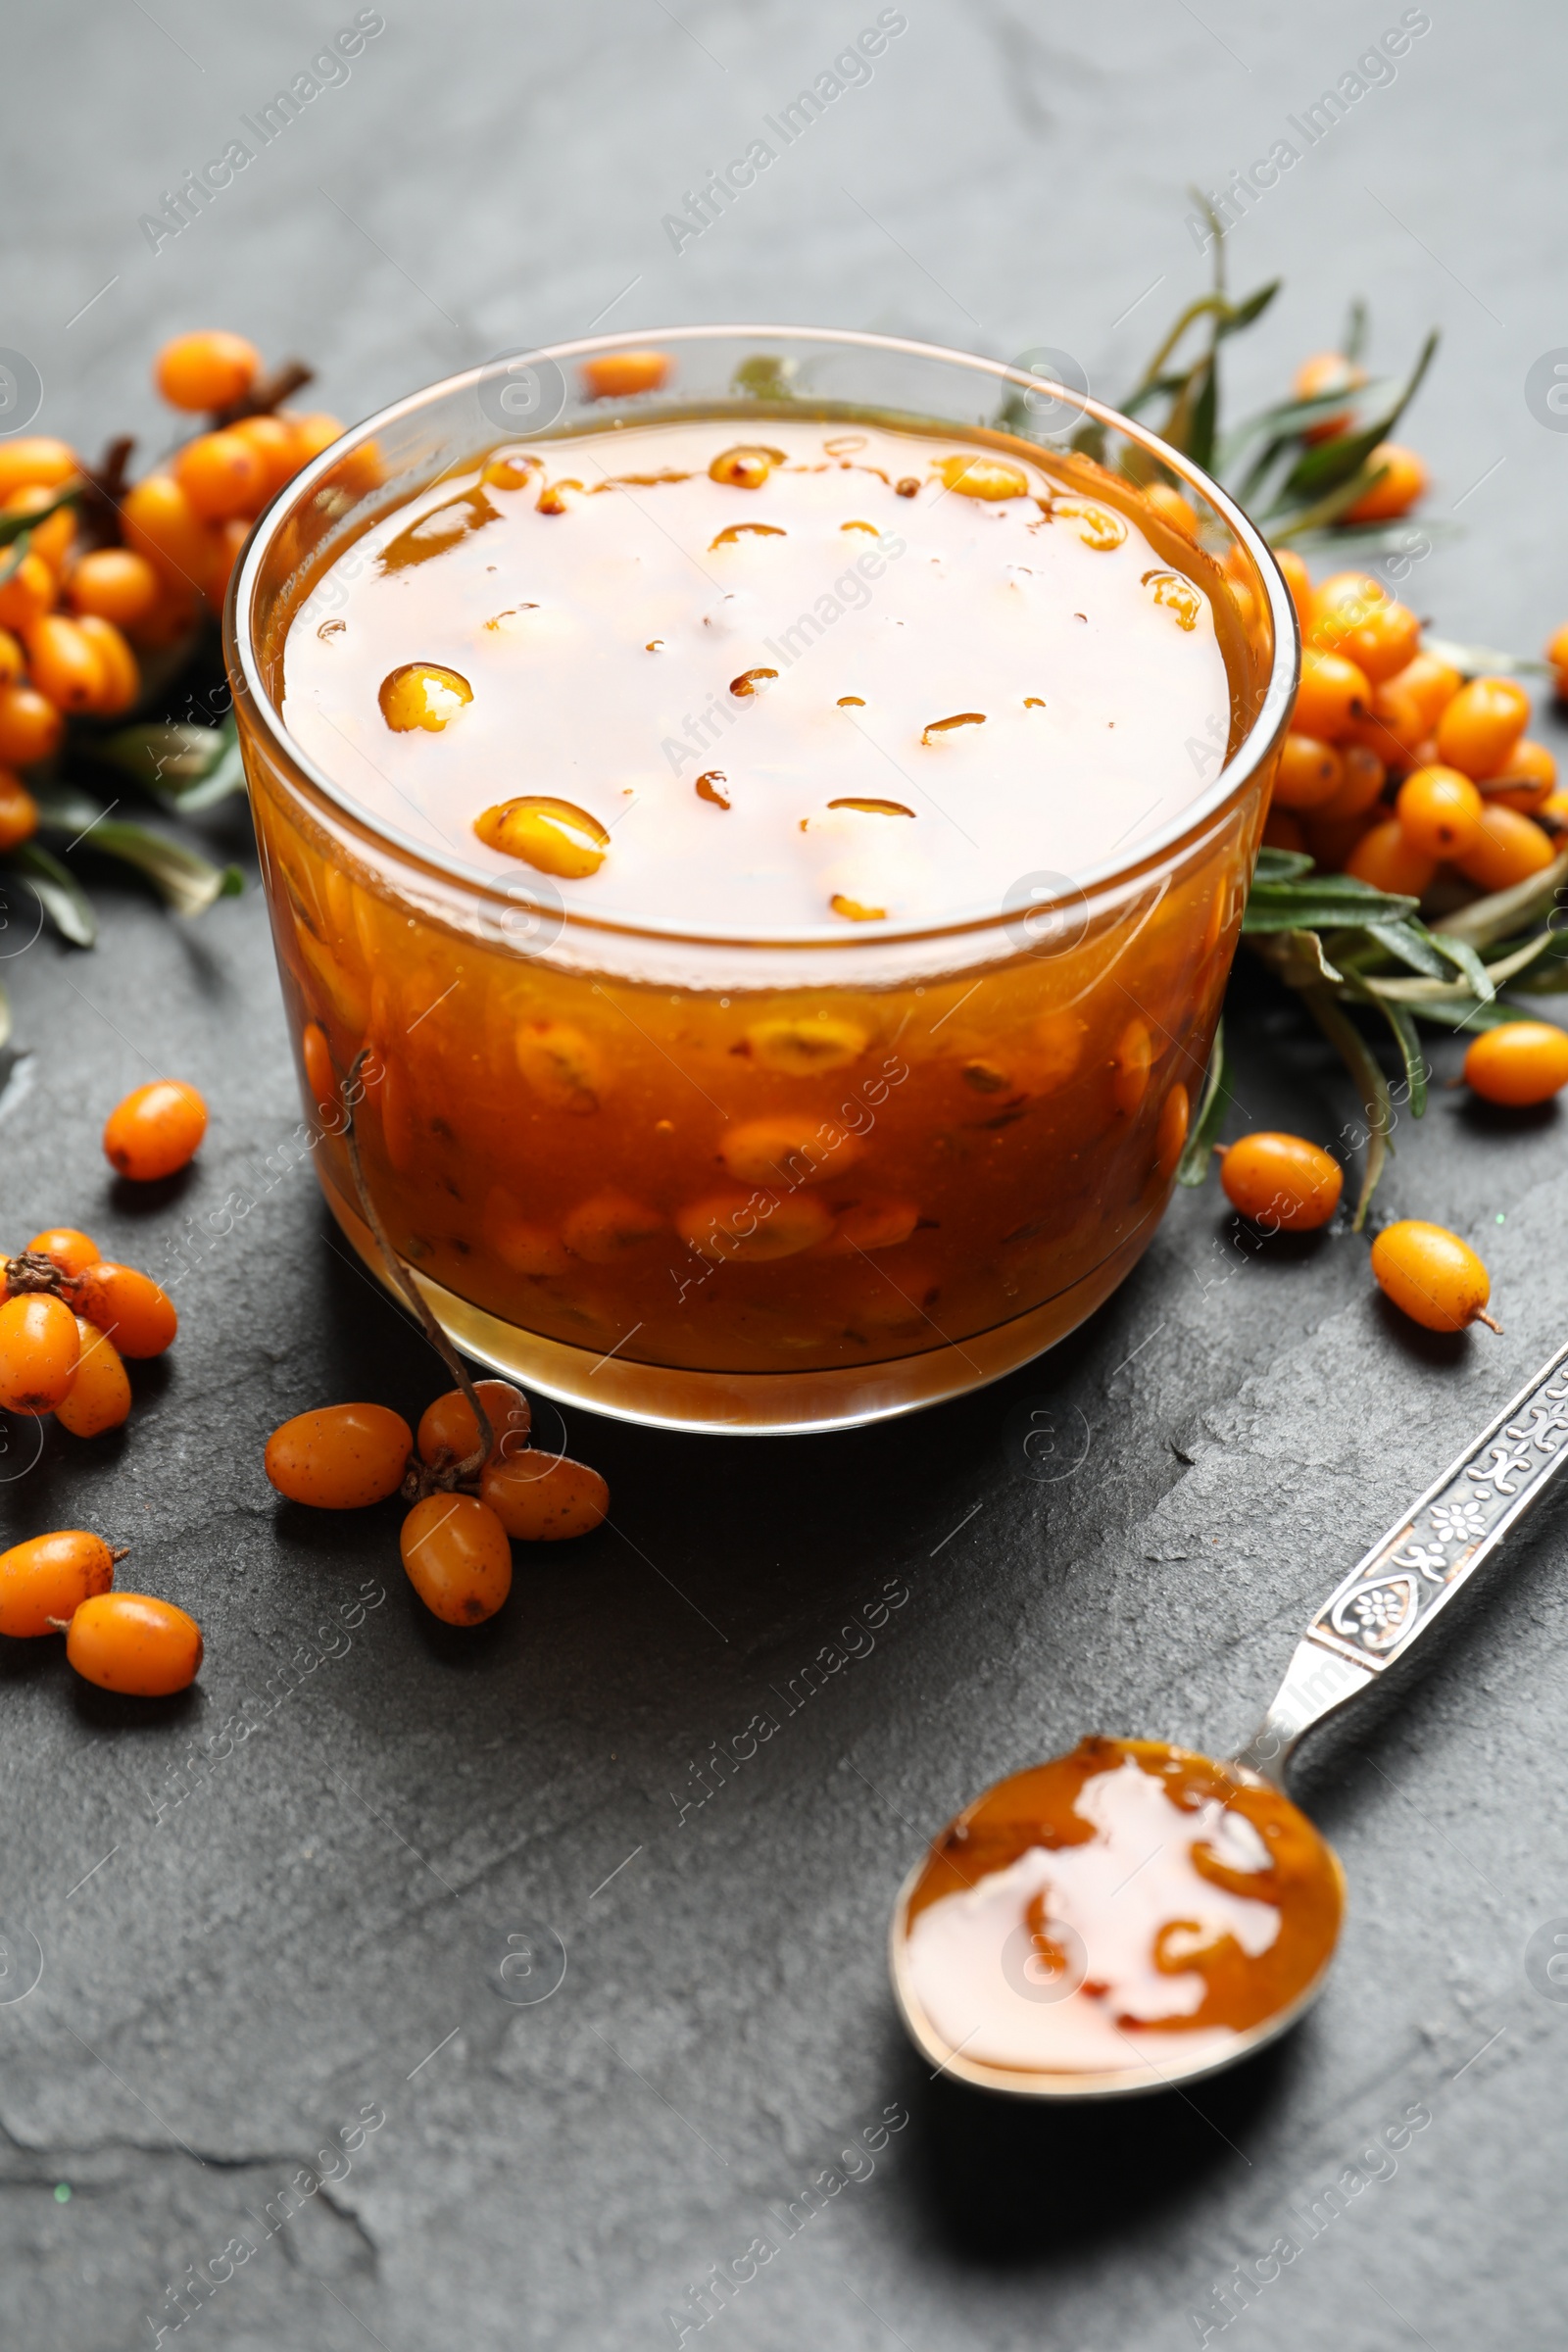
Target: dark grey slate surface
<point x="283" y="1933"/>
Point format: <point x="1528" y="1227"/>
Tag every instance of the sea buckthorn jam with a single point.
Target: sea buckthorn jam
<point x="1125" y="1908"/>
<point x="775" y="1033"/>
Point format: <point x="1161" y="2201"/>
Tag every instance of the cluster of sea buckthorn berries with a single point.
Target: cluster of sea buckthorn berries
<point x="1284" y="1183"/>
<point x="124" y="1641"/>
<point x="67" y="1320"/>
<point x="122" y="570"/>
<point x="1395" y="767"/>
<point x="467" y="1503"/>
<point x="1404" y="474"/>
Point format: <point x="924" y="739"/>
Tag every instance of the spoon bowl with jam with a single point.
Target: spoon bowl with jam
<point x="1133" y="1916"/>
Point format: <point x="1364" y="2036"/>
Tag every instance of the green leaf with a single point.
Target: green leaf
<point x="1205" y="415"/>
<point x="1361" y="1062"/>
<point x="1410" y="944"/>
<point x="1321" y="905"/>
<point x="1327" y="463"/>
<point x="1409" y="1040"/>
<point x="186" y="881"/>
<point x="1354" y="342"/>
<point x="1485" y="660"/>
<point x="58" y="893"/>
<point x="1296" y="957"/>
<point x="1280" y="865"/>
<point x="1502" y="912"/>
<point x="1460" y="953"/>
<point x="764" y="376"/>
<point x="1242" y="313"/>
<point x="63" y="808"/>
<point x="1194" y="1164"/>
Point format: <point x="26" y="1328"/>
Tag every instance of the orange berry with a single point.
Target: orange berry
<point x="1433" y="684"/>
<point x="1388" y="859"/>
<point x="1327" y="372"/>
<point x="1364" y="776"/>
<point x="171" y="618"/>
<point x="35" y="458"/>
<point x="222" y="475"/>
<point x="1283" y="831"/>
<point x="44" y="1581"/>
<point x="228" y="540"/>
<point x="121" y="675"/>
<point x="313" y="433"/>
<point x="207" y="371"/>
<point x="1393" y="728"/>
<point x="1380" y="637"/>
<point x="1298" y="580"/>
<point x="1518" y="1062"/>
<point x="40" y="1349"/>
<point x="616" y="375"/>
<point x="161" y="524"/>
<point x="1404" y="482"/>
<point x="341" y="1457"/>
<point x="64" y="663"/>
<point x="27" y="592"/>
<point x="1309" y="772"/>
<point x="1332" y="693"/>
<point x="13" y="661"/>
<point x="128" y="1641"/>
<point x="458" y="1560"/>
<point x="65" y="1248"/>
<point x="276" y="444"/>
<point x="1477" y="731"/>
<point x="1170" y="1136"/>
<point x="543" y="1498"/>
<point x="1170" y="506"/>
<point x="1528" y="781"/>
<point x="1439" y="812"/>
<point x="18" y="811"/>
<point x="1281" y="1181"/>
<point x="128" y="1307"/>
<point x="115" y="583"/>
<point x="1435" y="1277"/>
<point x="449" y="1432"/>
<point x="155" y="1130"/>
<point x="54" y="537"/>
<point x="100" y="1394"/>
<point x="30" y="727"/>
<point x="1507" y="847"/>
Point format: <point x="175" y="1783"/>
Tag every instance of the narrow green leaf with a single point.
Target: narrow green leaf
<point x="1361" y="1062"/>
<point x="63" y="808"/>
<point x="1356" y="326"/>
<point x="186" y="881"/>
<point x="1206" y="416"/>
<point x="1313" y="907"/>
<point x="1194" y="1164"/>
<point x="1325" y="510"/>
<point x="1411" y="944"/>
<point x="164" y="753"/>
<point x="1459" y="952"/>
<point x="1243" y="314"/>
<point x="58" y="893"/>
<point x="1502" y="912"/>
<point x="1407" y="1038"/>
<point x="1485" y="660"/>
<point x="1280" y="865"/>
<point x="1329" y="462"/>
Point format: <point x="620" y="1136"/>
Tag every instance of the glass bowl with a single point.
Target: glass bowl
<point x="1013" y="1086"/>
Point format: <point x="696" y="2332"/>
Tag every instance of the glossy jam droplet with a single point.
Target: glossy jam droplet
<point x="747" y="530"/>
<point x="747" y="681"/>
<point x="875" y="808"/>
<point x="422" y="694"/>
<point x="1130" y="1908"/>
<point x="713" y="787"/>
<point x="556" y="837"/>
<point x="959" y="718"/>
<point x="852" y="910"/>
<point x="745" y="469"/>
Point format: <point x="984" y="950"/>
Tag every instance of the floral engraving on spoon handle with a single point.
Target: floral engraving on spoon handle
<point x="1407" y="1577"/>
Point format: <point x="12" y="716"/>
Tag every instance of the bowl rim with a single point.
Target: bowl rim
<point x="1184" y="830"/>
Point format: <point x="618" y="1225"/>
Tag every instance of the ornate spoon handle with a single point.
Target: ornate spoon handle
<point x="1390" y="1598"/>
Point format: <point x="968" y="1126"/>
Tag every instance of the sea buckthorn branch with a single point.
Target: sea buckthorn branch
<point x="422" y="1477"/>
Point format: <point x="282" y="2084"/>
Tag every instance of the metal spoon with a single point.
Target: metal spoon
<point x="1021" y="1948"/>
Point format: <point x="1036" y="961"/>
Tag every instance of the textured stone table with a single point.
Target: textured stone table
<point x="257" y="1946"/>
